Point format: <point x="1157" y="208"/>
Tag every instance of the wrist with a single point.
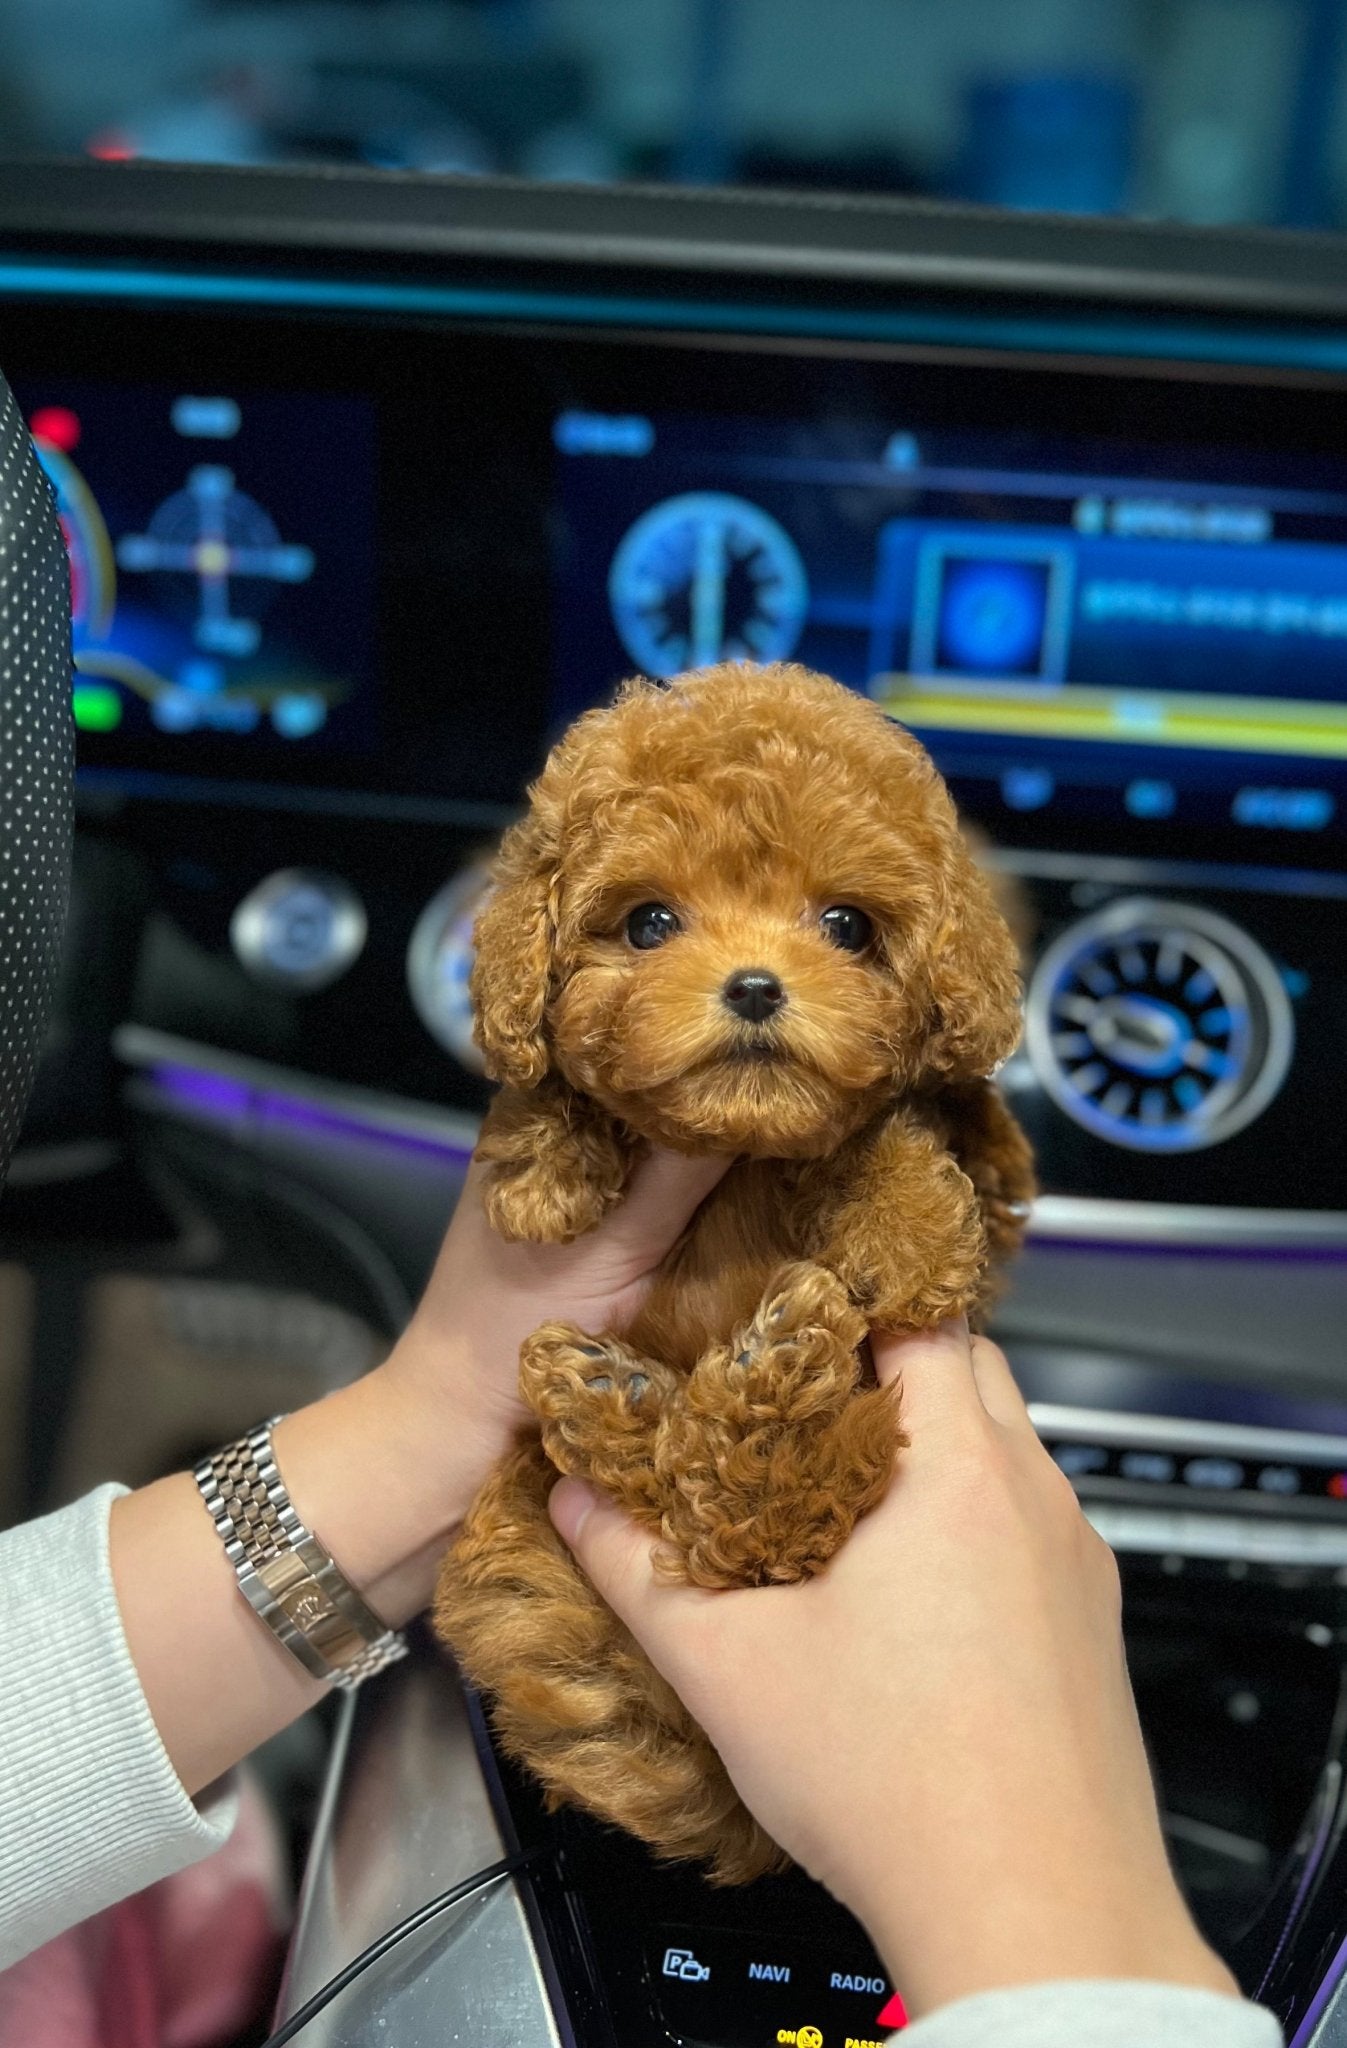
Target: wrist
<point x="383" y="1473"/>
<point x="1022" y="1936"/>
<point x="449" y="1409"/>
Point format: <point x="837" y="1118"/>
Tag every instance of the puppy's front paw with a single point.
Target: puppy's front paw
<point x="531" y="1203"/>
<point x="598" y="1403"/>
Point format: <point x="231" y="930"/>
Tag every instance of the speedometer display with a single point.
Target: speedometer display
<point x="707" y="577"/>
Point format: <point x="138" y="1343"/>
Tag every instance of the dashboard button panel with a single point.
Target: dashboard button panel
<point x="718" y="1987"/>
<point x="1172" y="1487"/>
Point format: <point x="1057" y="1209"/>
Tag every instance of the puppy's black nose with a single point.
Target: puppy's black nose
<point x="753" y="994"/>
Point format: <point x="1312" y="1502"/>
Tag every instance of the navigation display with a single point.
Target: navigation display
<point x="221" y="560"/>
<point x="1164" y="627"/>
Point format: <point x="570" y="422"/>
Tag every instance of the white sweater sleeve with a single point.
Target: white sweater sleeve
<point x="91" y="1809"/>
<point x="1095" y="2015"/>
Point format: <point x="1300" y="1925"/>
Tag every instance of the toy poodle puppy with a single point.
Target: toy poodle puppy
<point x="738" y="917"/>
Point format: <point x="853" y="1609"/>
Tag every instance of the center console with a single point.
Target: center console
<point x="369" y="486"/>
<point x="593" y="1944"/>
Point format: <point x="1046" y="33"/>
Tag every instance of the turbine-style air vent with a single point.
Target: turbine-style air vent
<point x="1159" y="1026"/>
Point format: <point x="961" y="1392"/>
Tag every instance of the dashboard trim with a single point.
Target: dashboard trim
<point x="156" y="1055"/>
<point x="406" y="1812"/>
<point x="1182" y="1433"/>
<point x="1101" y="1222"/>
<point x="751" y="236"/>
<point x="932" y="327"/>
<point x="113" y="785"/>
<point x="1128" y="872"/>
<point x="1056" y="1221"/>
<point x="1232" y="1539"/>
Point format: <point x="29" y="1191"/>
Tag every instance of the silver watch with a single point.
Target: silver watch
<point x="287" y="1577"/>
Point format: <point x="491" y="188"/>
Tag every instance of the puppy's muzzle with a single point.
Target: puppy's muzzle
<point x="753" y="995"/>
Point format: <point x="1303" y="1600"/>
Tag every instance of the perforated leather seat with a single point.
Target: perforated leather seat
<point x="36" y="760"/>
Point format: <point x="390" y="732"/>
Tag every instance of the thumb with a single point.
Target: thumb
<point x="665" y="1192"/>
<point x="609" y="1547"/>
<point x="663" y="1616"/>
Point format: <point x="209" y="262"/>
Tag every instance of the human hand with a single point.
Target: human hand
<point x="460" y="1354"/>
<point x="940" y="1727"/>
<point x="385" y="1468"/>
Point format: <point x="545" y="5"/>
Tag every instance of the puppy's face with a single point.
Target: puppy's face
<point x="756" y="915"/>
<point x="730" y="973"/>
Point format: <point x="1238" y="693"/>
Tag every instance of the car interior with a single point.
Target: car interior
<point x="369" y="483"/>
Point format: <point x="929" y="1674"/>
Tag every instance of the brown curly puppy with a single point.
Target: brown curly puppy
<point x="738" y="917"/>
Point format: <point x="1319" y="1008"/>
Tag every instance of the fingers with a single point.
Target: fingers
<point x="996" y="1386"/>
<point x="666" y="1190"/>
<point x="470" y="1194"/>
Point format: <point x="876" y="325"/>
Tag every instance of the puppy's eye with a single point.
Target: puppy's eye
<point x="850" y="929"/>
<point x="650" y="924"/>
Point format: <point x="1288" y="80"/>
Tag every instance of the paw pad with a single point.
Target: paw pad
<point x="632" y="1384"/>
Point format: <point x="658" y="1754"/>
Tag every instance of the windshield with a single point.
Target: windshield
<point x="1193" y="110"/>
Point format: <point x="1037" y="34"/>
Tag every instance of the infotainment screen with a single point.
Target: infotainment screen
<point x="1165" y="626"/>
<point x="379" y="564"/>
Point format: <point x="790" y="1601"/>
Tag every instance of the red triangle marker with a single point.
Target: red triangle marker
<point x="894" y="2014"/>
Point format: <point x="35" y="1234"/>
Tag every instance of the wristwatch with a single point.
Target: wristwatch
<point x="288" y="1579"/>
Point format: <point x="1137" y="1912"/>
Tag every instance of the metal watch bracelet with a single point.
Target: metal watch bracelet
<point x="287" y="1577"/>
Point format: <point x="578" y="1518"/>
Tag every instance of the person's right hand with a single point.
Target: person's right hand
<point x="941" y="1726"/>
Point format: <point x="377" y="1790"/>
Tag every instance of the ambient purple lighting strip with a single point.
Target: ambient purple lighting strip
<point x="225" y="1099"/>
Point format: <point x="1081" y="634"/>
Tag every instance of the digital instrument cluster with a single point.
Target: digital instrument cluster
<point x="221" y="559"/>
<point x="1119" y="622"/>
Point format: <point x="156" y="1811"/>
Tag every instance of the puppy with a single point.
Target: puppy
<point x="738" y="917"/>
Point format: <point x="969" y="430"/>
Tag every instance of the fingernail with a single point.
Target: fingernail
<point x="570" y="1504"/>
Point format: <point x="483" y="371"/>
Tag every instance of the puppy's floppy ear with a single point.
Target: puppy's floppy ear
<point x="514" y="941"/>
<point x="973" y="966"/>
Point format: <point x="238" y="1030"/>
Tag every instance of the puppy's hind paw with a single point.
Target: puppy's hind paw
<point x="563" y="1372"/>
<point x="777" y="1447"/>
<point x="804" y="1305"/>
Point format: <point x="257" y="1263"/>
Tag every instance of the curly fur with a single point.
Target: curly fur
<point x="878" y="1181"/>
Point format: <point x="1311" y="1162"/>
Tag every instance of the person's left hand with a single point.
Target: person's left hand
<point x="460" y="1351"/>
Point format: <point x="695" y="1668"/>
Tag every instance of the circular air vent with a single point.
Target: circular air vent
<point x="1158" y="1026"/>
<point x="439" y="963"/>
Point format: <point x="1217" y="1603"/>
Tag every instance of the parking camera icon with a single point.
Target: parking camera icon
<point x="681" y="1963"/>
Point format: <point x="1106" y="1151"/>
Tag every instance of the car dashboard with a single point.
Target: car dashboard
<point x="371" y="484"/>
